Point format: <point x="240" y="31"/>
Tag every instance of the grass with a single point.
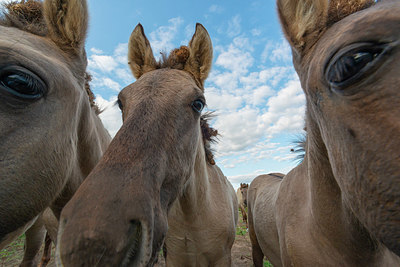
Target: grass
<point x="12" y="254"/>
<point x="241" y="230"/>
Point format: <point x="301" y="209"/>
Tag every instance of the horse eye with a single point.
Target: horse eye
<point x="198" y="105"/>
<point x="22" y="84"/>
<point x="119" y="104"/>
<point x="350" y="66"/>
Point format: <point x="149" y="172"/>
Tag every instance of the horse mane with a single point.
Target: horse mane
<point x="209" y="136"/>
<point x="300" y="148"/>
<point x="176" y="58"/>
<point x="27" y="15"/>
<point x="339" y="9"/>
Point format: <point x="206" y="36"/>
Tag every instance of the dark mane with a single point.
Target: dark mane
<point x="209" y="136"/>
<point x="27" y="15"/>
<point x="176" y="58"/>
<point x="92" y="97"/>
<point x="300" y="148"/>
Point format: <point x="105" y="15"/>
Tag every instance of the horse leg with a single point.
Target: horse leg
<point x="46" y="251"/>
<point x="33" y="242"/>
<point x="257" y="254"/>
<point x="244" y="215"/>
<point x="225" y="261"/>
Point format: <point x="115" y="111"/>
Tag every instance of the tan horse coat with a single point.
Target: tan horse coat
<point x="157" y="180"/>
<point x="51" y="136"/>
<point x="340" y="206"/>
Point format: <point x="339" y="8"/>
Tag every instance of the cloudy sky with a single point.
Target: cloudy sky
<point x="252" y="87"/>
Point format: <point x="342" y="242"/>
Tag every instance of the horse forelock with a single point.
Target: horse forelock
<point x="209" y="136"/>
<point x="339" y="9"/>
<point x="25" y="15"/>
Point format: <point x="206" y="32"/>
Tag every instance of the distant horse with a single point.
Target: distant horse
<point x="341" y="205"/>
<point x="157" y="180"/>
<point x="50" y="134"/>
<point x="241" y="195"/>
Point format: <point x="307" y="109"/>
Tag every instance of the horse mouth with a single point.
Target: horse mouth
<point x="134" y="246"/>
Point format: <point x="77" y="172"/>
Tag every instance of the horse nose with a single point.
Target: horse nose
<point x="135" y="244"/>
<point x="96" y="248"/>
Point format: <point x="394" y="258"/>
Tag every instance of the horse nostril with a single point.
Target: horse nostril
<point x="134" y="244"/>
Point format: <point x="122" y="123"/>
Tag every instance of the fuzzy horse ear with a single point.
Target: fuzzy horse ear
<point x="201" y="53"/>
<point x="67" y="22"/>
<point x="303" y="21"/>
<point x="140" y="55"/>
<point x="300" y="19"/>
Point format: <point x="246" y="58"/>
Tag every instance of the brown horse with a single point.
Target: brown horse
<point x="50" y="134"/>
<point x="158" y="173"/>
<point x="341" y="205"/>
<point x="241" y="195"/>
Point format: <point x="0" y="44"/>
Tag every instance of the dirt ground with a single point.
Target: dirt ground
<point x="12" y="255"/>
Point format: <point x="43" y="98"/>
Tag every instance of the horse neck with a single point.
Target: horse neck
<point x="196" y="192"/>
<point x="93" y="140"/>
<point x="328" y="210"/>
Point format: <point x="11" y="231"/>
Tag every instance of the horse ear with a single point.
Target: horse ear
<point x="140" y="55"/>
<point x="67" y="22"/>
<point x="201" y="53"/>
<point x="301" y="19"/>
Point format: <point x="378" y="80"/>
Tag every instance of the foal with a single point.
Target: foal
<point x="157" y="181"/>
<point x="50" y="134"/>
<point x="341" y="205"/>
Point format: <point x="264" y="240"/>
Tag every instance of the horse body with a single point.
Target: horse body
<point x="199" y="229"/>
<point x="50" y="135"/>
<point x="340" y="206"/>
<point x="157" y="174"/>
<point x="265" y="240"/>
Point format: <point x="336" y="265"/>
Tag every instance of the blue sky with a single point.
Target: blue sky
<point x="252" y="86"/>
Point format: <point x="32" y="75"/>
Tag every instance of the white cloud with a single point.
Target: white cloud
<point x="102" y="62"/>
<point x="215" y="9"/>
<point x="236" y="58"/>
<point x="121" y="53"/>
<point x="239" y="130"/>
<point x="96" y="51"/>
<point x="161" y="39"/>
<point x="234" y="27"/>
<point x="109" y="83"/>
<point x="244" y="178"/>
<point x="222" y="101"/>
<point x="125" y="75"/>
<point x="111" y="115"/>
<point x="277" y="52"/>
<point x="256" y="32"/>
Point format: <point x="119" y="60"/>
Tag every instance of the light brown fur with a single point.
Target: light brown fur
<point x="157" y="182"/>
<point x="48" y="144"/>
<point x="340" y="206"/>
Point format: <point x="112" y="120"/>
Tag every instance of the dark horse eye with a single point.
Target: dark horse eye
<point x="350" y="66"/>
<point x="22" y="83"/>
<point x="198" y="105"/>
<point x="119" y="104"/>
